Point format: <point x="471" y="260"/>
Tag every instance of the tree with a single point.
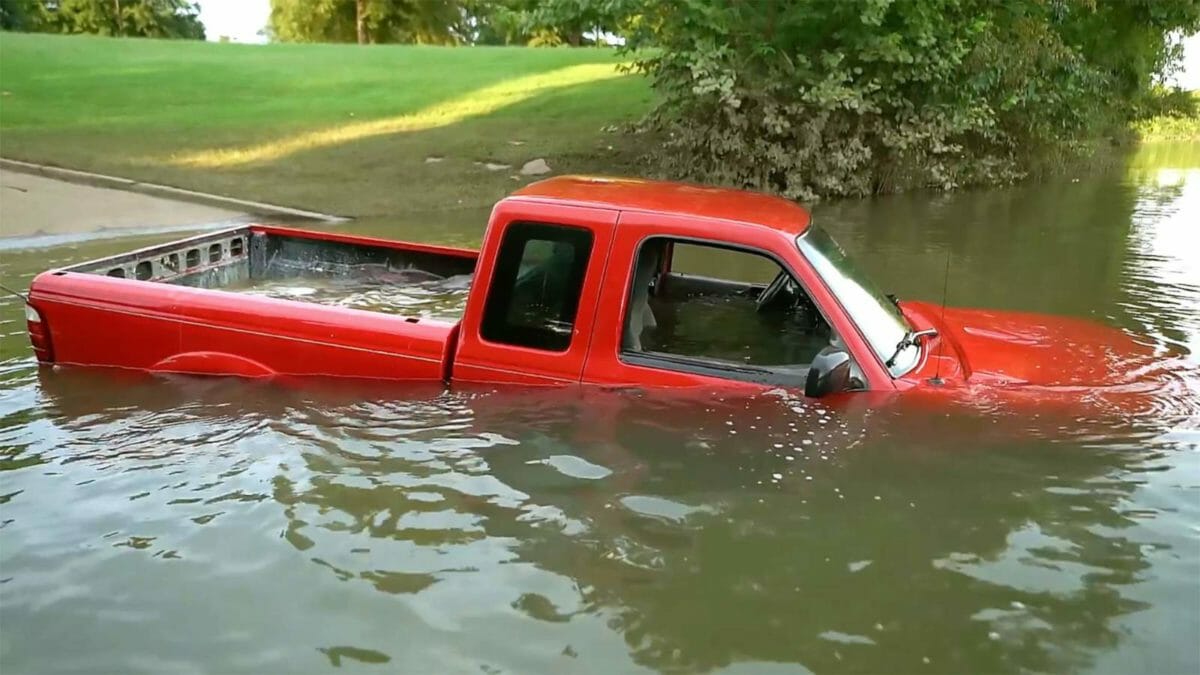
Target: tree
<point x="360" y="21"/>
<point x="367" y="21"/>
<point x="22" y="15"/>
<point x="548" y="22"/>
<point x="160" y="18"/>
<point x="539" y="22"/>
<point x="136" y="18"/>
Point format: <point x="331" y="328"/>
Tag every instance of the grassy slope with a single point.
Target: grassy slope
<point x="147" y="109"/>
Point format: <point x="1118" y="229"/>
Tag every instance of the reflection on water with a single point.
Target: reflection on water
<point x="1165" y="279"/>
<point x="427" y="297"/>
<point x="156" y="524"/>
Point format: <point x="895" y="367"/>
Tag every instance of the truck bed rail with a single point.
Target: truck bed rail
<point x="252" y="253"/>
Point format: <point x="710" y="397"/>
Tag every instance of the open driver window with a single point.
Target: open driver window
<point x="715" y="310"/>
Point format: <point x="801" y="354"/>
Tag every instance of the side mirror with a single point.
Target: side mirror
<point x="828" y="374"/>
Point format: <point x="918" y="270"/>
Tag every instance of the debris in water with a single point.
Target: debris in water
<point x="535" y="167"/>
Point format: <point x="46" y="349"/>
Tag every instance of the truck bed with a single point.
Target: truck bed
<point x="387" y="277"/>
<point x="260" y="301"/>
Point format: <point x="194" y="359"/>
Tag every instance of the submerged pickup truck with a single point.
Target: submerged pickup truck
<point x="605" y="281"/>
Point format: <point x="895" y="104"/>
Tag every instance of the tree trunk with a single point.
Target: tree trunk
<point x="118" y="29"/>
<point x="360" y="20"/>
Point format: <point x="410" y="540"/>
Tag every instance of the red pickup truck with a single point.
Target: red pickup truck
<point x="580" y="279"/>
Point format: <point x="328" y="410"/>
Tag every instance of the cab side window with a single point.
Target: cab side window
<point x="534" y="295"/>
<point x="698" y="307"/>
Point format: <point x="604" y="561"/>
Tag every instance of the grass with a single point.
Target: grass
<point x="335" y="128"/>
<point x="1169" y="128"/>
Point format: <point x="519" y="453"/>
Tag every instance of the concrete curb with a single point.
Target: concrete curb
<point x="166" y="191"/>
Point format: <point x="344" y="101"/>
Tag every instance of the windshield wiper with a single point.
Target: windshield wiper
<point x="910" y="339"/>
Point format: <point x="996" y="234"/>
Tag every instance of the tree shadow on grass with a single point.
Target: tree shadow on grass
<point x="379" y="173"/>
<point x="476" y="103"/>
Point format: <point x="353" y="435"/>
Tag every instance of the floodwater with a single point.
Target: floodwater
<point x="183" y="525"/>
<point x="442" y="298"/>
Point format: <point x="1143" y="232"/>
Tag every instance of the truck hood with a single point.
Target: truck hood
<point x="1016" y="348"/>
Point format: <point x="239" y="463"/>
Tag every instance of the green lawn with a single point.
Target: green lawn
<point x="336" y="128"/>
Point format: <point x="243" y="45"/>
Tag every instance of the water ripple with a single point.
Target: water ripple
<point x="150" y="524"/>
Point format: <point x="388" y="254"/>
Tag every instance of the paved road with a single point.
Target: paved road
<point x="34" y="205"/>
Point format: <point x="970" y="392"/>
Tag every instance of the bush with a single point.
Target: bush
<point x="849" y="98"/>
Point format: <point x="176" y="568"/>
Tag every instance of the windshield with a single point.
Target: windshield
<point x="875" y="315"/>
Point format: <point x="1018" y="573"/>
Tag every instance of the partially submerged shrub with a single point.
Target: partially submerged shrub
<point x="848" y="98"/>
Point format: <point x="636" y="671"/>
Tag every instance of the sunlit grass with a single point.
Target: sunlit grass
<point x="1166" y="128"/>
<point x="472" y="104"/>
<point x="339" y="129"/>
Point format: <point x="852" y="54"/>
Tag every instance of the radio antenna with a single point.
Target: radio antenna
<point x="937" y="374"/>
<point x="22" y="296"/>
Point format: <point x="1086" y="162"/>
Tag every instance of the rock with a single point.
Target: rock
<point x="433" y="159"/>
<point x="535" y="167"/>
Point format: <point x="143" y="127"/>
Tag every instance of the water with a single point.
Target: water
<point x="162" y="525"/>
<point x="428" y="298"/>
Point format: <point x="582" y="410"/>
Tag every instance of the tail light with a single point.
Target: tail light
<point x="39" y="335"/>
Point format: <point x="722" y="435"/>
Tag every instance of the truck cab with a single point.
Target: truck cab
<point x="589" y="281"/>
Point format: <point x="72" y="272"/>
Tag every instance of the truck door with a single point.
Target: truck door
<point x="541" y="271"/>
<point x="663" y="323"/>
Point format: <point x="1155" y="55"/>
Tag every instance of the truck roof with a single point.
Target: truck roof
<point x="666" y="197"/>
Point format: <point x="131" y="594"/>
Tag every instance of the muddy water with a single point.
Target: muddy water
<point x="428" y="298"/>
<point x="220" y="526"/>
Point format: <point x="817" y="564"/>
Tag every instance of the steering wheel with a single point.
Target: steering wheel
<point x="772" y="291"/>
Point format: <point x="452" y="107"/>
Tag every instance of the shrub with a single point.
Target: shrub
<point x="849" y="98"/>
